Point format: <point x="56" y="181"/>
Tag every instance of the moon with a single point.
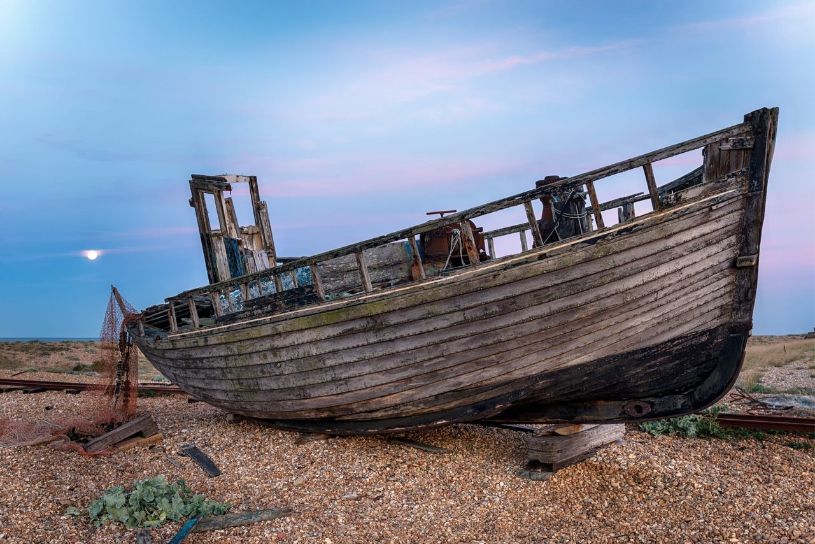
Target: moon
<point x="92" y="254"/>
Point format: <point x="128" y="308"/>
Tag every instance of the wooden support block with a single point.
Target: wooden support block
<point x="524" y="246"/>
<point x="595" y="205"/>
<point x="193" y="313"/>
<point x="566" y="430"/>
<point x="417" y="267"/>
<point x="143" y="425"/>
<point x="363" y="271"/>
<point x="555" y="451"/>
<point x="239" y="519"/>
<point x="171" y="316"/>
<point x="537" y="239"/>
<point x="652" y="186"/>
<point x="137" y="441"/>
<point x="316" y="282"/>
<point x="468" y="239"/>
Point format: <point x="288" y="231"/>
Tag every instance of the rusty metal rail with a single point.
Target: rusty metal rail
<point x="767" y="422"/>
<point x="59" y="386"/>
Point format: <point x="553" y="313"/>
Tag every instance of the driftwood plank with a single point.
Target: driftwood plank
<point x="143" y="425"/>
<point x="239" y="519"/>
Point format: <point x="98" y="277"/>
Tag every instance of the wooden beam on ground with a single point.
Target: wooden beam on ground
<point x="143" y="425"/>
<point x="652" y="186"/>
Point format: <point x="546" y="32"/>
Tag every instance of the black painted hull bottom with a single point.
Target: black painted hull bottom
<point x="678" y="377"/>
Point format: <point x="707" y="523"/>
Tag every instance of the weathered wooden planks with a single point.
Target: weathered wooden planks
<point x="556" y="451"/>
<point x="461" y="345"/>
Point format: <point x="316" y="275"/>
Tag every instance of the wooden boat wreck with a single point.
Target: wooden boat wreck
<point x="593" y="323"/>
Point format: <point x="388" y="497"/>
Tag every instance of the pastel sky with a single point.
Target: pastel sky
<point x="358" y="117"/>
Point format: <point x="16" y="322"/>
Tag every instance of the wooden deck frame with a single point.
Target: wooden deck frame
<point x="204" y="183"/>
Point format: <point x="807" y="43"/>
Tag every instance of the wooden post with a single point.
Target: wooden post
<point x="316" y="282"/>
<point x="363" y="272"/>
<point x="491" y="246"/>
<point x="193" y="313"/>
<point x="244" y="291"/>
<point x="468" y="239"/>
<point x="141" y="325"/>
<point x="595" y="205"/>
<point x="625" y="212"/>
<point x="417" y="269"/>
<point x="171" y="316"/>
<point x="293" y="276"/>
<point x="524" y="245"/>
<point x="652" y="186"/>
<point x="215" y="297"/>
<point x="278" y="283"/>
<point x="537" y="239"/>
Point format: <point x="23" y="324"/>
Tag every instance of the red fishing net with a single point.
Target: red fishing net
<point x="109" y="401"/>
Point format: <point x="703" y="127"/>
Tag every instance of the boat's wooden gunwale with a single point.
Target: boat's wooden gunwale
<point x="525" y="310"/>
<point x="266" y="337"/>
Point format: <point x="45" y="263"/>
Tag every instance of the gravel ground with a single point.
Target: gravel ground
<point x="793" y="376"/>
<point x="367" y="490"/>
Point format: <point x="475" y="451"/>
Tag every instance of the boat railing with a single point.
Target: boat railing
<point x="216" y="292"/>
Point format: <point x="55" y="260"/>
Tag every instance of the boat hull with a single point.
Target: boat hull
<point x="645" y="319"/>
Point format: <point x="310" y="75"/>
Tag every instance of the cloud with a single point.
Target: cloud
<point x="442" y="84"/>
<point x="367" y="173"/>
<point x="777" y="13"/>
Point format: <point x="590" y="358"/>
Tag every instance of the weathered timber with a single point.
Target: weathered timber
<point x="652" y="186"/>
<point x="595" y="204"/>
<point x="514" y="200"/>
<point x="537" y="239"/>
<point x="468" y="239"/>
<point x="364" y="275"/>
<point x="316" y="282"/>
<point x="556" y="451"/>
<point x="630" y="321"/>
<point x="417" y="268"/>
<point x="142" y="425"/>
<point x="239" y="519"/>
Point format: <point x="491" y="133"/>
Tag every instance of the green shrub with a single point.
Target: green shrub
<point x="151" y="503"/>
<point x="758" y="388"/>
<point x="703" y="425"/>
